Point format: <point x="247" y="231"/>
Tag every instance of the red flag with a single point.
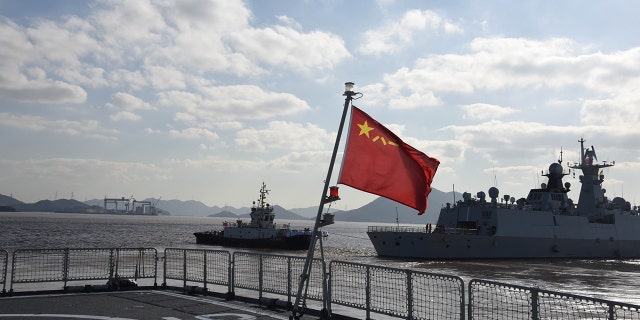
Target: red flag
<point x="378" y="162"/>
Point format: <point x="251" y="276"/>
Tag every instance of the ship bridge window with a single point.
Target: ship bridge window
<point x="535" y="196"/>
<point x="556" y="196"/>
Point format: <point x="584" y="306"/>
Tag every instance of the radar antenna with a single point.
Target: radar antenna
<point x="560" y="160"/>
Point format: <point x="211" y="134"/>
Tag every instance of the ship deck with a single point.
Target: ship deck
<point x="138" y="304"/>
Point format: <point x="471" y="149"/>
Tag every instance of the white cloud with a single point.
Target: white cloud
<point x="496" y="64"/>
<point x="89" y="128"/>
<point x="193" y="134"/>
<point x="283" y="46"/>
<point x="232" y="103"/>
<point x="124" y="116"/>
<point x="285" y="136"/>
<point x="125" y="101"/>
<point x="73" y="174"/>
<point x="484" y="111"/>
<point x="394" y="36"/>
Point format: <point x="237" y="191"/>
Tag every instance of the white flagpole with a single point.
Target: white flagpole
<point x="306" y="272"/>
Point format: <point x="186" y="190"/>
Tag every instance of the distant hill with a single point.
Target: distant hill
<point x="379" y="210"/>
<point x="384" y="210"/>
<point x="310" y="212"/>
<point x="9" y="201"/>
<point x="60" y="205"/>
<point x="281" y="213"/>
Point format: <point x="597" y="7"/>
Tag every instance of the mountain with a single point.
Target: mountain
<point x="9" y="201"/>
<point x="310" y="212"/>
<point x="60" y="205"/>
<point x="384" y="210"/>
<point x="379" y="210"/>
<point x="281" y="213"/>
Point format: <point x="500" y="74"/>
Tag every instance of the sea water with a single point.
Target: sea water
<point x="617" y="280"/>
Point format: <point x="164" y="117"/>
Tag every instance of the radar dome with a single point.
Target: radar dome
<point x="620" y="203"/>
<point x="466" y="196"/>
<point x="555" y="169"/>
<point x="494" y="192"/>
<point x="481" y="195"/>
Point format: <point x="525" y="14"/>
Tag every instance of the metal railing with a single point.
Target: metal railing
<point x="4" y="262"/>
<point x="64" y="265"/>
<point x="425" y="229"/>
<point x="199" y="266"/>
<point x="393" y="292"/>
<point x="496" y="300"/>
<point x="397" y="292"/>
<point x="276" y="274"/>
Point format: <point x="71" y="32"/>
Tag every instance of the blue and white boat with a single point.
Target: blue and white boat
<point x="260" y="232"/>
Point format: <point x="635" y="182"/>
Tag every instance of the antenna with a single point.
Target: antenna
<point x="560" y="160"/>
<point x="495" y="179"/>
<point x="397" y="219"/>
<point x="454" y="193"/>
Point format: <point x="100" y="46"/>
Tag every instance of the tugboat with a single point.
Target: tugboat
<point x="544" y="225"/>
<point x="261" y="232"/>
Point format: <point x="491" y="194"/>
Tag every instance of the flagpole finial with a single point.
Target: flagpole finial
<point x="348" y="89"/>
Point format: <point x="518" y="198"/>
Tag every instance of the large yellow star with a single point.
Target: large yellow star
<point x="364" y="129"/>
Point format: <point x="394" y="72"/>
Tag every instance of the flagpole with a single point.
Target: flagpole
<point x="306" y="272"/>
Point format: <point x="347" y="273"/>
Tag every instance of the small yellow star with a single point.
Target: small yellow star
<point x="364" y="129"/>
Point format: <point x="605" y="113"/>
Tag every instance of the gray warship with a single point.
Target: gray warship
<point x="546" y="224"/>
<point x="260" y="232"/>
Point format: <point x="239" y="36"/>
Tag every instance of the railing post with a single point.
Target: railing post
<point x="204" y="271"/>
<point x="164" y="269"/>
<point x="612" y="312"/>
<point x="534" y="304"/>
<point x="65" y="267"/>
<point x="368" y="292"/>
<point x="111" y="263"/>
<point x="13" y="271"/>
<point x="289" y="293"/>
<point x="184" y="269"/>
<point x="470" y="303"/>
<point x="260" y="277"/>
<point x="409" y="294"/>
<point x="329" y="291"/>
<point x="231" y="277"/>
<point x="4" y="275"/>
<point x="155" y="267"/>
<point x="461" y="299"/>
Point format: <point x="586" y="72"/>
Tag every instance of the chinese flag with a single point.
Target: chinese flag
<point x="378" y="162"/>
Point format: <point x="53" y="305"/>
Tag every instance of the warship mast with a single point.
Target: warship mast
<point x="591" y="192"/>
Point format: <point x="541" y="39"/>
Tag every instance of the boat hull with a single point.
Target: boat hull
<point x="295" y="242"/>
<point x="469" y="246"/>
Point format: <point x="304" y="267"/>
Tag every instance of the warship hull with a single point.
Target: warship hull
<point x="297" y="242"/>
<point x="460" y="246"/>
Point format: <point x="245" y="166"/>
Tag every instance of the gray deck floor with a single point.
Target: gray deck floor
<point x="124" y="305"/>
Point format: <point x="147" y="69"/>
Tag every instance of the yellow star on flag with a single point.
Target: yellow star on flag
<point x="364" y="129"/>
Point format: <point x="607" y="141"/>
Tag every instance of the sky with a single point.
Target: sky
<point x="205" y="100"/>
